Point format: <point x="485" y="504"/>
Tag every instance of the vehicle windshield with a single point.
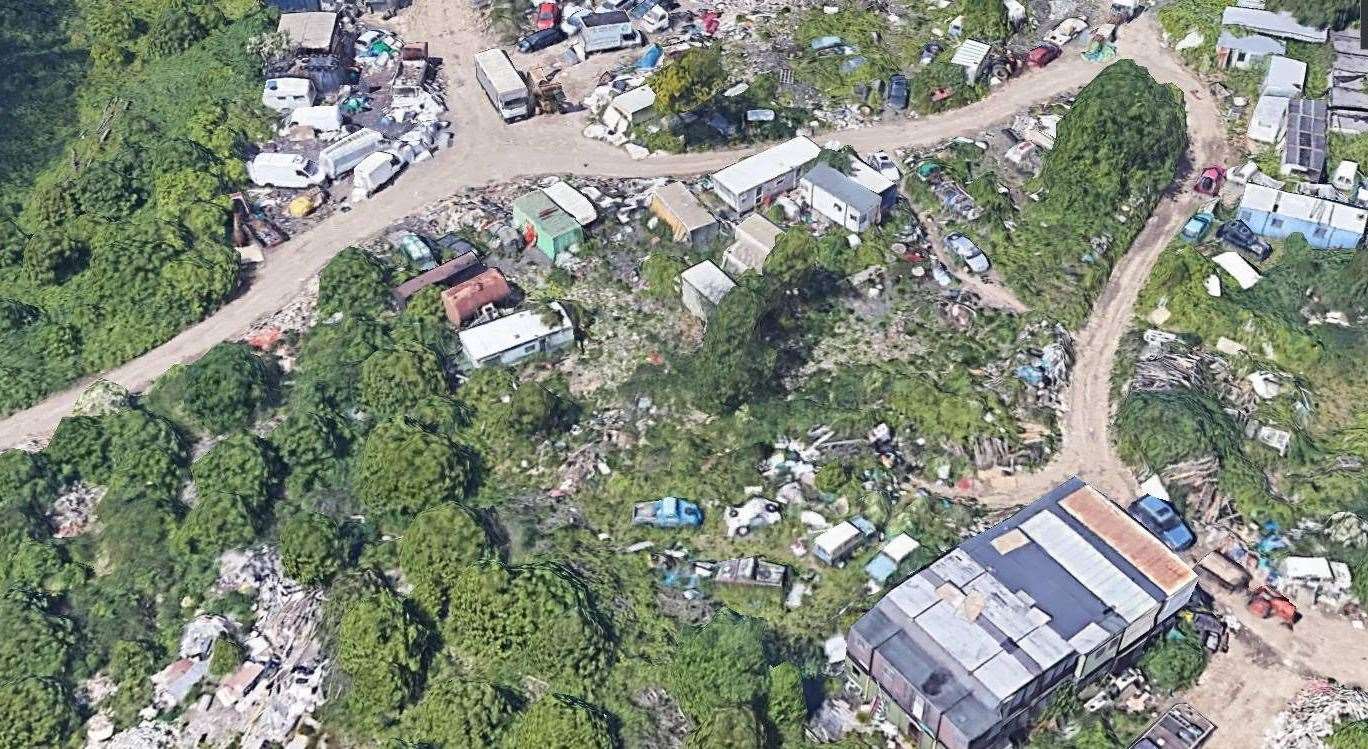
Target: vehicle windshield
<point x="518" y="103"/>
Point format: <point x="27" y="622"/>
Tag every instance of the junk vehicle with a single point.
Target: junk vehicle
<point x="897" y="91"/>
<point x="412" y="73"/>
<point x="1213" y="177"/>
<point x="1043" y="55"/>
<point x="836" y="544"/>
<point x="503" y="84"/>
<point x="342" y="156"/>
<point x="968" y="251"/>
<point x="755" y="513"/>
<point x="1266" y="603"/>
<point x="750" y="571"/>
<point x="540" y="40"/>
<point x="1066" y="31"/>
<point x="667" y="512"/>
<point x="1196" y="228"/>
<point x="414" y="247"/>
<point x="284" y="170"/>
<point x="929" y="52"/>
<point x="548" y="15"/>
<point x="1162" y="520"/>
<point x="604" y="32"/>
<point x="1223" y="571"/>
<point x="374" y="172"/>
<point x="1237" y="234"/>
<point x="324" y="119"/>
<point x="285" y="94"/>
<point x="249" y="227"/>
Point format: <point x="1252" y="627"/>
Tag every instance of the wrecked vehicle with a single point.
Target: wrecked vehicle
<point x="1237" y="234"/>
<point x="838" y="543"/>
<point x="667" y="512"/>
<point x="969" y="252"/>
<point x="755" y="513"/>
<point x="1196" y="228"/>
<point x="752" y="571"/>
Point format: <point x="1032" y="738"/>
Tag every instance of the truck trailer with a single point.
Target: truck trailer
<point x="503" y="84"/>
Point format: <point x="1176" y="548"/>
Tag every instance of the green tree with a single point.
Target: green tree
<point x="311" y="549"/>
<point x="25" y="480"/>
<point x="226" y="387"/>
<point x="507" y="411"/>
<point x="986" y="20"/>
<point x="436" y="550"/>
<point x="1174" y="664"/>
<point x="559" y="722"/>
<point x="786" y="706"/>
<point x="720" y="664"/>
<point x="241" y="464"/>
<point x="393" y="381"/>
<point x="353" y="283"/>
<point x="404" y="469"/>
<point x="738" y="358"/>
<point x="33" y="642"/>
<point x="1349" y="735"/>
<point x="308" y="443"/>
<point x="35" y="712"/>
<point x="79" y="449"/>
<point x="224" y="657"/>
<point x="732" y="727"/>
<point x="455" y="714"/>
<point x="131" y="665"/>
<point x="217" y="522"/>
<point x="1335" y="14"/>
<point x="382" y="648"/>
<point x="689" y="82"/>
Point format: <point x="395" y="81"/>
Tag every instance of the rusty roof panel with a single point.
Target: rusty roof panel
<point x="1135" y="544"/>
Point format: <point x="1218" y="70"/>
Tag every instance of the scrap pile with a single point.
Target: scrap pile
<point x="1313" y="714"/>
<point x="73" y="513"/>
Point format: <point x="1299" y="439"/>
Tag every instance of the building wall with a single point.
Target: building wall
<point x="553" y="342"/>
<point x="828" y="205"/>
<point x="1282" y="227"/>
<point x="695" y="302"/>
<point x="752" y="197"/>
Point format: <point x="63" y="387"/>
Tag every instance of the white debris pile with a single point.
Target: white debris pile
<point x="73" y="513"/>
<point x="148" y="735"/>
<point x="1313" y="714"/>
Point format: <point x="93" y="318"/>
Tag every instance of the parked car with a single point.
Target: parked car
<point x="941" y="94"/>
<point x="897" y="91"/>
<point x="836" y="544"/>
<point x="667" y="512"/>
<point x="540" y="40"/>
<point x="1196" y="228"/>
<point x="1162" y="520"/>
<point x="548" y="15"/>
<point x="1211" y="180"/>
<point x="1043" y="55"/>
<point x="755" y="513"/>
<point x="930" y="51"/>
<point x="1237" y="234"/>
<point x="885" y="165"/>
<point x="1066" y="31"/>
<point x="968" y="252"/>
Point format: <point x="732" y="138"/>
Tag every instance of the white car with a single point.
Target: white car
<point x="1066" y="31"/>
<point x="968" y="252"/>
<point x="885" y="165"/>
<point x="755" y="513"/>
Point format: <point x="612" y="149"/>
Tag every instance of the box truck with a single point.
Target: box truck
<point x="603" y="32"/>
<point x="503" y="84"/>
<point x="284" y="170"/>
<point x="343" y="155"/>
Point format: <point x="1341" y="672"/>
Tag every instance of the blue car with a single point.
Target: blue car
<point x="1162" y="520"/>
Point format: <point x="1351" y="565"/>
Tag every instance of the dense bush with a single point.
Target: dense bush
<point x="225" y="387"/>
<point x="1175" y="663"/>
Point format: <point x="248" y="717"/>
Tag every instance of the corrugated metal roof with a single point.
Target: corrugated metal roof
<point x="753" y="171"/>
<point x="1276" y="24"/>
<point x="970" y="646"/>
<point x="970" y="54"/>
<point x="709" y="280"/>
<point x="1045" y="647"/>
<point x="913" y="597"/>
<point x="1255" y="44"/>
<point x="1004" y="675"/>
<point x="957" y="567"/>
<point x="675" y="198"/>
<point x="1137" y="545"/>
<point x="1088" y="566"/>
<point x="1089" y="639"/>
<point x="1285" y="77"/>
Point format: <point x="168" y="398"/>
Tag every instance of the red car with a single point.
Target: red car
<point x="548" y="15"/>
<point x="1213" y="177"/>
<point x="1042" y="55"/>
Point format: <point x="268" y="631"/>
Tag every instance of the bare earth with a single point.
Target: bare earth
<point x="1241" y="691"/>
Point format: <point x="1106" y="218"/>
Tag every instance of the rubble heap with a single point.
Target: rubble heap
<point x="1313" y="714"/>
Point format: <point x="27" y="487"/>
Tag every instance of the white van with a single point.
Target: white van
<point x="503" y="84"/>
<point x="285" y="94"/>
<point x="373" y="173"/>
<point x="343" y="156"/>
<point x="284" y="170"/>
<point x="324" y="119"/>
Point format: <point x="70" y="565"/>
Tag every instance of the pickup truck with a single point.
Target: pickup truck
<point x="667" y="512"/>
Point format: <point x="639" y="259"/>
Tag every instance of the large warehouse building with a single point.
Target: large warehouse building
<point x="963" y="653"/>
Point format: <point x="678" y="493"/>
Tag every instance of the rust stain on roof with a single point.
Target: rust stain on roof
<point x="1137" y="545"/>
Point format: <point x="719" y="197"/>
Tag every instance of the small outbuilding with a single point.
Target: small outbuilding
<point x="288" y="94"/>
<point x="885" y="564"/>
<point x="1245" y="52"/>
<point x="464" y="301"/>
<point x="630" y="108"/>
<point x="545" y="224"/>
<point x="1267" y="123"/>
<point x="756" y="237"/>
<point x="971" y="56"/>
<point x="310" y="33"/>
<point x="681" y="211"/>
<point x="1284" y="77"/>
<point x="513" y="338"/>
<point x="572" y="201"/>
<point x="846" y="202"/>
<point x="463" y="264"/>
<point x="703" y="287"/>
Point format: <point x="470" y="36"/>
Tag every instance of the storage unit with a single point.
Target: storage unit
<point x="603" y="32"/>
<point x="970" y="56"/>
<point x="545" y="224"/>
<point x="513" y="338"/>
<point x="630" y="108"/>
<point x="325" y="119"/>
<point x="310" y="33"/>
<point x="753" y="180"/>
<point x="571" y="201"/>
<point x="755" y="240"/>
<point x="1285" y="77"/>
<point x="681" y="211"/>
<point x="342" y="156"/>
<point x="1324" y="223"/>
<point x="703" y="287"/>
<point x="1268" y="120"/>
<point x="464" y="301"/>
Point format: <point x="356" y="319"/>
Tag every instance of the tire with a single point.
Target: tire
<point x="772" y="507"/>
<point x="733" y="512"/>
<point x="743" y="530"/>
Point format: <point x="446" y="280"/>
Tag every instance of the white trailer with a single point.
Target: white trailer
<point x="286" y="94"/>
<point x="284" y="170"/>
<point x="343" y="156"/>
<point x="503" y="84"/>
<point x="603" y="32"/>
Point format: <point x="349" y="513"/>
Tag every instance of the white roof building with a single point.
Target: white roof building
<point x="970" y="56"/>
<point x="1274" y="24"/>
<point x="1269" y="119"/>
<point x="1308" y="208"/>
<point x="572" y="201"/>
<point x="709" y="281"/>
<point x="309" y="31"/>
<point x="770" y="164"/>
<point x="515" y="331"/>
<point x="1285" y="77"/>
<point x="755" y="240"/>
<point x="869" y="178"/>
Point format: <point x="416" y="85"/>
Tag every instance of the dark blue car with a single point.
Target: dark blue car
<point x="1162" y="520"/>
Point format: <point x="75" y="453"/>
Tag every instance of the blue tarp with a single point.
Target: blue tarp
<point x="651" y="58"/>
<point x="880" y="568"/>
